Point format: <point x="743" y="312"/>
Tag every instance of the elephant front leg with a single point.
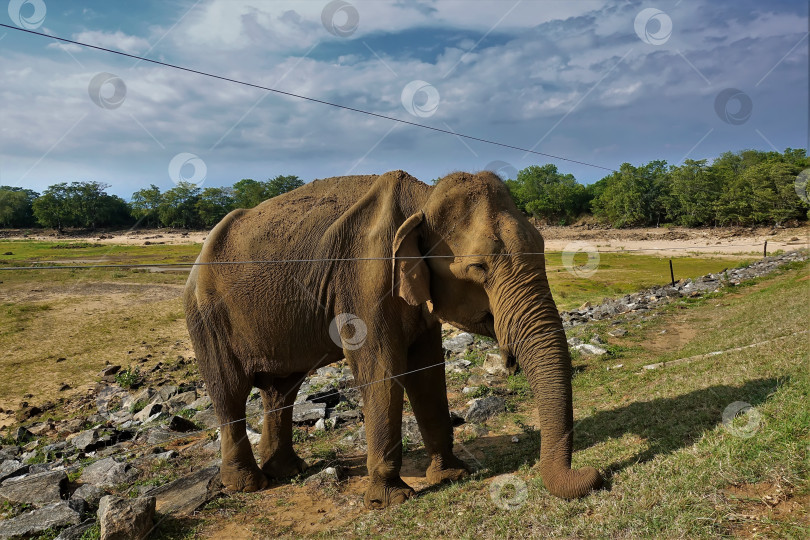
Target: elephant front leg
<point x="382" y="409"/>
<point x="239" y="471"/>
<point x="427" y="392"/>
<point x="276" y="452"/>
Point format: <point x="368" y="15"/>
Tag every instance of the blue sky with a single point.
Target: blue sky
<point x="594" y="81"/>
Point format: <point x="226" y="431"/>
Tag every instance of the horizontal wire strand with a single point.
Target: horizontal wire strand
<point x="350" y="259"/>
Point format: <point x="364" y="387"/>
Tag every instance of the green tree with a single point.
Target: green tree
<point x="633" y="195"/>
<point x="214" y="204"/>
<point x="282" y="184"/>
<point x="53" y="208"/>
<point x="90" y="205"/>
<point x="16" y="206"/>
<point x="145" y="204"/>
<point x="247" y="193"/>
<point x="693" y="194"/>
<point x="178" y="206"/>
<point x="547" y="194"/>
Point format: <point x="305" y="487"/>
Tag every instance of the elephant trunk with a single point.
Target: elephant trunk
<point x="533" y="333"/>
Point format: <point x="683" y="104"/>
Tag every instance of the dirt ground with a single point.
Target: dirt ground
<point x="665" y="240"/>
<point x="677" y="240"/>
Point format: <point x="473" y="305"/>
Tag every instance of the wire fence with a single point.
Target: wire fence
<point x="357" y="259"/>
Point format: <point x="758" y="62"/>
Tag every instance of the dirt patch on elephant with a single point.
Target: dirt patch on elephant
<point x="757" y="506"/>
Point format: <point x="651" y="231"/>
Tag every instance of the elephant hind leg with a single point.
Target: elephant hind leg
<point x="276" y="452"/>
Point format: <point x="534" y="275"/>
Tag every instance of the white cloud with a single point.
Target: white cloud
<point x="112" y="40"/>
<point x="515" y="92"/>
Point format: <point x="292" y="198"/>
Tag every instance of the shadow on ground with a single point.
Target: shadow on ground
<point x="666" y="424"/>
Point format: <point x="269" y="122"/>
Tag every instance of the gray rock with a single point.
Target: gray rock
<point x="329" y="396"/>
<point x="107" y="472"/>
<point x="347" y="417"/>
<point x="158" y="435"/>
<point x="119" y="418"/>
<point x="147" y="412"/>
<point x="410" y="429"/>
<point x="37" y="489"/>
<point x="329" y="371"/>
<point x="597" y="340"/>
<point x="88" y="493"/>
<point x="308" y="412"/>
<point x="125" y="519"/>
<point x="109" y="370"/>
<point x="587" y="348"/>
<point x="253" y="436"/>
<point x="618" y="332"/>
<point x="9" y="451"/>
<point x="76" y="532"/>
<point x="164" y="456"/>
<point x="178" y="423"/>
<point x="498" y="364"/>
<point x="143" y="397"/>
<point x="330" y="475"/>
<point x="187" y="494"/>
<point x="85" y="441"/>
<point x="55" y="515"/>
<point x="207" y="418"/>
<point x="180" y="401"/>
<point x="459" y="343"/>
<point x="574" y="341"/>
<point x="166" y="392"/>
<point x="11" y="468"/>
<point x="22" y="435"/>
<point x="105" y="397"/>
<point x="482" y="408"/>
<point x="202" y="402"/>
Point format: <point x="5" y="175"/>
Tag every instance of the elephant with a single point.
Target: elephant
<point x="392" y="258"/>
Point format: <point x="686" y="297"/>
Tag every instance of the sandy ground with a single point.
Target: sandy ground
<point x="130" y="238"/>
<point x="677" y="240"/>
<point x="664" y="240"/>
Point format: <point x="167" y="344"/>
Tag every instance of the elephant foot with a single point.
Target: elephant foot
<point x="385" y="493"/>
<point x="448" y="469"/>
<point x="240" y="479"/>
<point x="284" y="466"/>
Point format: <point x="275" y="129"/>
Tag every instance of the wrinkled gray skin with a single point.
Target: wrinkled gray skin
<point x="267" y="324"/>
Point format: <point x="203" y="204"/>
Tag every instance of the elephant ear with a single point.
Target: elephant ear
<point x="410" y="276"/>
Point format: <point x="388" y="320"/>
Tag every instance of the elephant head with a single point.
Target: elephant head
<point x="483" y="269"/>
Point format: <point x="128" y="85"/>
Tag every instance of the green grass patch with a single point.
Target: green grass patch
<point x="658" y="436"/>
<point x="618" y="274"/>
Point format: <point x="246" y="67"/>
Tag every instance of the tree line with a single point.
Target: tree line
<point x="88" y="205"/>
<point x="744" y="188"/>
